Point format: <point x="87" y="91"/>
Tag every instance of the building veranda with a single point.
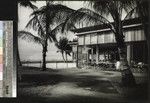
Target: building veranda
<point x="96" y="46"/>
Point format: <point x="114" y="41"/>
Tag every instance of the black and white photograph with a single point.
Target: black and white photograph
<point x="92" y="51"/>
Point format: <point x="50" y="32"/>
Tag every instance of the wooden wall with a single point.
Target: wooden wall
<point x="108" y="37"/>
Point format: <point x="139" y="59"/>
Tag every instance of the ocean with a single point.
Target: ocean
<point x="59" y="65"/>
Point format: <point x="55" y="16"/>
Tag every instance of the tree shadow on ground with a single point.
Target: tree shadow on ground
<point x="90" y="82"/>
<point x="139" y="92"/>
<point x="95" y="83"/>
<point x="75" y="99"/>
<point x="40" y="79"/>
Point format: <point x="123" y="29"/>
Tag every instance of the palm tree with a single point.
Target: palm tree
<point x="33" y="7"/>
<point x="64" y="47"/>
<point x="27" y="3"/>
<point x="47" y="21"/>
<point x="142" y="10"/>
<point x="40" y="38"/>
<point x="99" y="15"/>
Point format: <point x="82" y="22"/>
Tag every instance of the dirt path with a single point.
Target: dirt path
<point x="70" y="84"/>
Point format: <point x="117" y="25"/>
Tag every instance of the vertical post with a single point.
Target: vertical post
<point x="108" y="56"/>
<point x="104" y="56"/>
<point x="144" y="53"/>
<point x="97" y="54"/>
<point x="77" y="57"/>
<point x="72" y="56"/>
<point x="92" y="59"/>
<point x="129" y="54"/>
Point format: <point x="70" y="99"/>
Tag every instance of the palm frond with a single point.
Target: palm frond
<point x="85" y="15"/>
<point x="127" y="5"/>
<point x="129" y="14"/>
<point x="53" y="33"/>
<point x="29" y="37"/>
<point x="26" y="3"/>
<point x="100" y="6"/>
<point x="56" y="12"/>
<point x="141" y="9"/>
<point x="36" y="25"/>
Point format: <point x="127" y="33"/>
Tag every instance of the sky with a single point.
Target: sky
<point x="32" y="51"/>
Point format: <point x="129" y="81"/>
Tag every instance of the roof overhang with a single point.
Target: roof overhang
<point x="136" y="22"/>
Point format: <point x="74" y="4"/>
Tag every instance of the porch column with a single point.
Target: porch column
<point x="72" y="56"/>
<point x="97" y="54"/>
<point x="92" y="57"/>
<point x="104" y="56"/>
<point x="129" y="55"/>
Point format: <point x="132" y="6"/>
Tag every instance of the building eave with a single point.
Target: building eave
<point x="98" y="28"/>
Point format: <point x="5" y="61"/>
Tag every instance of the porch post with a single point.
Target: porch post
<point x="92" y="58"/>
<point x="97" y="54"/>
<point x="129" y="54"/>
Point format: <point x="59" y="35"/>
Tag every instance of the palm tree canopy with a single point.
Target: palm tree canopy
<point x="27" y="3"/>
<point x="63" y="45"/>
<point x="57" y="15"/>
<point x="112" y="7"/>
<point x="100" y="12"/>
<point x="29" y="37"/>
<point x="141" y="9"/>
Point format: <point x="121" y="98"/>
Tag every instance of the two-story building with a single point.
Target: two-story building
<point x="96" y="44"/>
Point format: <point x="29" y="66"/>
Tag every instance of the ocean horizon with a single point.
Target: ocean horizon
<point x="52" y="65"/>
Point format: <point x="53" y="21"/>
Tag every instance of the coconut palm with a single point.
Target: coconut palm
<point x="99" y="15"/>
<point x="47" y="21"/>
<point x="40" y="38"/>
<point x="64" y="47"/>
<point x="142" y="10"/>
<point x="27" y="3"/>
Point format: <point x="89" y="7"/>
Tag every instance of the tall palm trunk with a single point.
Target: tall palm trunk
<point x="63" y="56"/>
<point x="44" y="56"/>
<point x="46" y="39"/>
<point x="127" y="76"/>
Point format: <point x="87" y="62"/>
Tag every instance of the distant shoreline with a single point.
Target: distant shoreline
<point x="55" y="61"/>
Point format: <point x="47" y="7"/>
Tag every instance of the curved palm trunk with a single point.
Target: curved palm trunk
<point x="18" y="56"/>
<point x="127" y="76"/>
<point x="63" y="56"/>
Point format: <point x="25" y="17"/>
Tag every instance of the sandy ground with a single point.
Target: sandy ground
<point x="77" y="86"/>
